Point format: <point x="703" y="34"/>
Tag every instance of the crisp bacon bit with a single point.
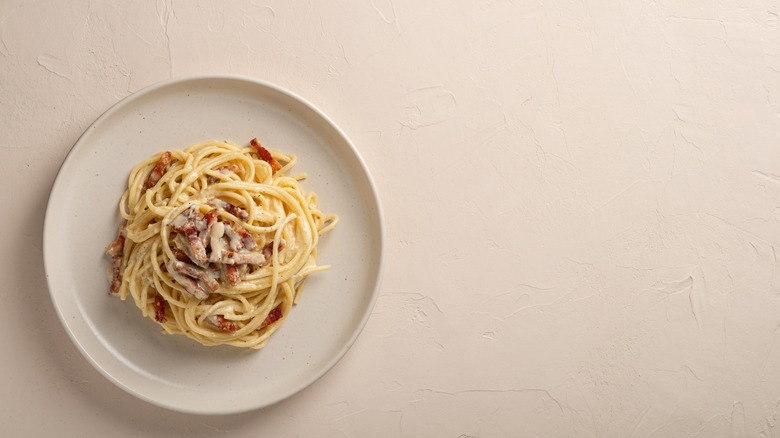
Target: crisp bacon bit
<point x="116" y="279"/>
<point x="247" y="240"/>
<point x="197" y="273"/>
<point x="242" y="258"/>
<point x="203" y="224"/>
<point x="190" y="285"/>
<point x="265" y="155"/>
<point x="230" y="167"/>
<point x="193" y="226"/>
<point x="193" y="237"/>
<point x="190" y="230"/>
<point x="183" y="246"/>
<point x="237" y="212"/>
<point x="117" y="246"/>
<point x="226" y="169"/>
<point x="159" y="308"/>
<point x="224" y="324"/>
<point x="230" y="208"/>
<point x="268" y="250"/>
<point x="159" y="170"/>
<point x="181" y="256"/>
<point x="234" y="240"/>
<point x="115" y="250"/>
<point x="273" y="316"/>
<point x="232" y="274"/>
<point x="239" y="238"/>
<point x="211" y="217"/>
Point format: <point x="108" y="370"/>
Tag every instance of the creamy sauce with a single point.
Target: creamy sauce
<point x="235" y="238"/>
<point x="182" y="218"/>
<point x="217" y="242"/>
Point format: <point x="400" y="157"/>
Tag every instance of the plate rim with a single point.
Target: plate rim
<point x="48" y="229"/>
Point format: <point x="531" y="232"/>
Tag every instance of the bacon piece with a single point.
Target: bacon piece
<point x="115" y="250"/>
<point x="232" y="274"/>
<point x="273" y="316"/>
<point x="246" y="239"/>
<point x="195" y="244"/>
<point x="183" y="247"/>
<point x="234" y="239"/>
<point x="268" y="249"/>
<point x="197" y="273"/>
<point x="116" y="247"/>
<point x="230" y="208"/>
<point x="242" y="258"/>
<point x="229" y="168"/>
<point x="210" y="217"/>
<point x="116" y="276"/>
<point x="182" y="256"/>
<point x="208" y="221"/>
<point x="265" y="155"/>
<point x="158" y="171"/>
<point x="185" y="216"/>
<point x="159" y="308"/>
<point x="185" y="223"/>
<point x="226" y="169"/>
<point x="190" y="285"/>
<point x="223" y="324"/>
<point x="203" y="224"/>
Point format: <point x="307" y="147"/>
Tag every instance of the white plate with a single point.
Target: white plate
<point x="173" y="371"/>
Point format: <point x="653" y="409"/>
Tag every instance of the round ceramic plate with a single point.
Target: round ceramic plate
<point x="173" y="371"/>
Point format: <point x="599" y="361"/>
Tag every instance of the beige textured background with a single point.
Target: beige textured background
<point x="581" y="200"/>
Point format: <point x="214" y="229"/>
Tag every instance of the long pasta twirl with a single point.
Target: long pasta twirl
<point x="217" y="241"/>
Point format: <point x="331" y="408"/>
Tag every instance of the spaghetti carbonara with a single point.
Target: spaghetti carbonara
<point x="217" y="241"/>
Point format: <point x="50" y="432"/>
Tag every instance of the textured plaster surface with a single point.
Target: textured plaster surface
<point x="582" y="202"/>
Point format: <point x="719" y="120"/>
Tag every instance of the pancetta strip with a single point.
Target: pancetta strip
<point x="158" y="171"/>
<point x="159" y="308"/>
<point x="242" y="235"/>
<point x="232" y="274"/>
<point x="265" y="155"/>
<point x="230" y="208"/>
<point x="185" y="223"/>
<point x="242" y="258"/>
<point x="116" y="247"/>
<point x="116" y="275"/>
<point x="273" y="316"/>
<point x="182" y="244"/>
<point x="115" y="250"/>
<point x="221" y="323"/>
<point x="190" y="285"/>
<point x="225" y="170"/>
<point x="268" y="250"/>
<point x="204" y="275"/>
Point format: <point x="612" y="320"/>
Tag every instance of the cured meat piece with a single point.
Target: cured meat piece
<point x="265" y="155"/>
<point x="230" y="208"/>
<point x="185" y="223"/>
<point x="159" y="308"/>
<point x="242" y="258"/>
<point x="221" y="323"/>
<point x="190" y="285"/>
<point x="273" y="316"/>
<point x="159" y="170"/>
<point x="115" y="250"/>
<point x="192" y="271"/>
